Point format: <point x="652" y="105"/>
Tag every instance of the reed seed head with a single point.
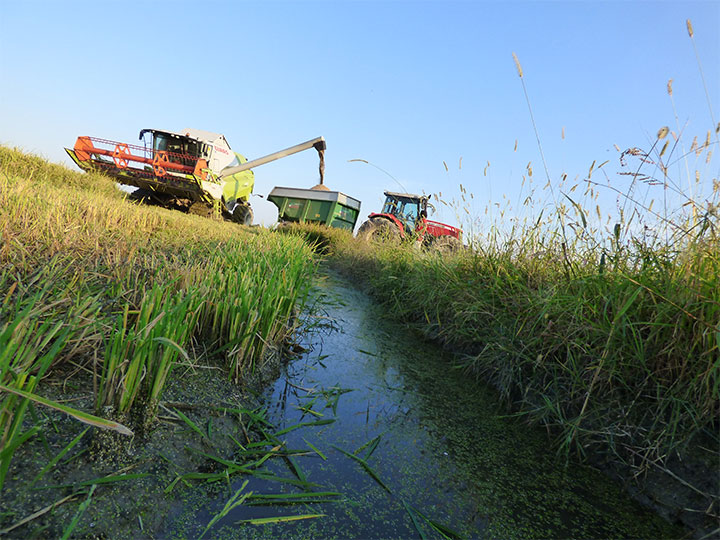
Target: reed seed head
<point x="689" y="28"/>
<point x="518" y="66"/>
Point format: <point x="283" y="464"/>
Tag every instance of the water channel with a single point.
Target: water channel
<point x="446" y="449"/>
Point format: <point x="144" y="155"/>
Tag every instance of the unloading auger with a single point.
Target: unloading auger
<point x="193" y="170"/>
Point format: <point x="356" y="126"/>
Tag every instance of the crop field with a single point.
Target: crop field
<point x="110" y="299"/>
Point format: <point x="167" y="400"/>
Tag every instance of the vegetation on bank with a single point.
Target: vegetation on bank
<point x="612" y="342"/>
<point x="90" y="283"/>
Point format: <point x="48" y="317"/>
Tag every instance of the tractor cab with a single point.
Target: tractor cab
<point x="409" y="209"/>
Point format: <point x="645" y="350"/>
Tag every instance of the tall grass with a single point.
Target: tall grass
<point x="617" y="350"/>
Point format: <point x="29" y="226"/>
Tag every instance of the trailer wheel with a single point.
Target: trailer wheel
<point x="242" y="214"/>
<point x="379" y="230"/>
<point x="446" y="245"/>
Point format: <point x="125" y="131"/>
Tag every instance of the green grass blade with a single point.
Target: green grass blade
<point x="300" y="496"/>
<point x="58" y="457"/>
<point x="102" y="480"/>
<point x="17" y="441"/>
<point x="304" y="424"/>
<point x="78" y="415"/>
<point x="80" y="511"/>
<point x="279" y="519"/>
<point x="443" y="530"/>
<point x="191" y="424"/>
<point x="414" y="520"/>
<point x="233" y="502"/>
<point x="365" y="466"/>
<point x="318" y="452"/>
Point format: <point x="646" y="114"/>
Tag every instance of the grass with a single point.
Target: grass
<point x="611" y="349"/>
<point x="92" y="283"/>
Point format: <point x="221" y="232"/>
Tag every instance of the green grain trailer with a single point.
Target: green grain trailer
<point x="318" y="205"/>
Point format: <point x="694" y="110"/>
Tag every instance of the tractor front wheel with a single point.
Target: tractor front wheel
<point x="379" y="230"/>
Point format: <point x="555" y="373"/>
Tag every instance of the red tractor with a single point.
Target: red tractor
<point x="404" y="217"/>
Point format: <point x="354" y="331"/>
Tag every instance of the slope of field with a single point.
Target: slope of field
<point x="91" y="283"/>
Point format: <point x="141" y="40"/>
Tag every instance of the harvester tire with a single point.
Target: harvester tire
<point x="446" y="245"/>
<point x="201" y="209"/>
<point x="243" y="214"/>
<point x="379" y="230"/>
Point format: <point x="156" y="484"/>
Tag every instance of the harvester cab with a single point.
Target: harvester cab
<point x="193" y="170"/>
<point x="404" y="216"/>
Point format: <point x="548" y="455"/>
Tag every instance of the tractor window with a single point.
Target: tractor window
<point x="409" y="211"/>
<point x="390" y="206"/>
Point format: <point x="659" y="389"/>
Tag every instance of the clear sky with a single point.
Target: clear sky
<point x="403" y="85"/>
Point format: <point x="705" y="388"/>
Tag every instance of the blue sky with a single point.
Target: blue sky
<point x="404" y="85"/>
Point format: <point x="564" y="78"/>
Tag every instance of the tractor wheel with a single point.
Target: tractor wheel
<point x="445" y="245"/>
<point x="379" y="230"/>
<point x="242" y="214"/>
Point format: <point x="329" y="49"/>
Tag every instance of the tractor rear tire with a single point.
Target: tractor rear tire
<point x="379" y="230"/>
<point x="242" y="214"/>
<point x="446" y="245"/>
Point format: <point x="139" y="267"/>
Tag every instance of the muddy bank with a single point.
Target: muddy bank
<point x="134" y="495"/>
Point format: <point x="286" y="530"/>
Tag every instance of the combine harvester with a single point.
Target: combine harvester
<point x="194" y="170"/>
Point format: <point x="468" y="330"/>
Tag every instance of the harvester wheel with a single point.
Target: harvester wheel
<point x="446" y="245"/>
<point x="201" y="209"/>
<point x="379" y="230"/>
<point x="242" y="214"/>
